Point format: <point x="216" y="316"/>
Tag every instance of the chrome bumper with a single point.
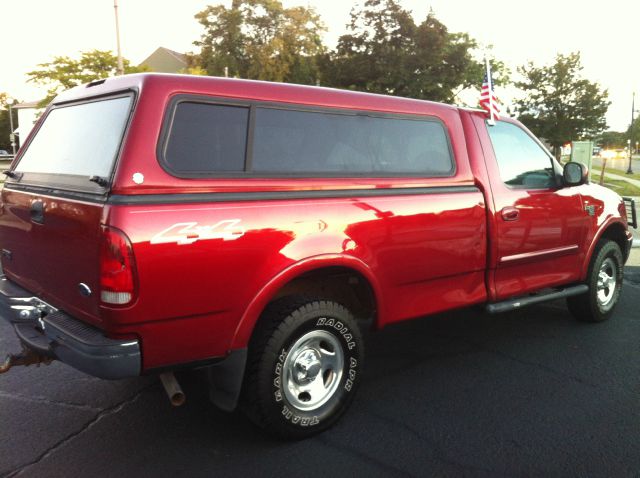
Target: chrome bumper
<point x="52" y="333"/>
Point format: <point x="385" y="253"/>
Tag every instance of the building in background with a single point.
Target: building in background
<point x="164" y="60"/>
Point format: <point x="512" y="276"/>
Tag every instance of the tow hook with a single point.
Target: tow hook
<point x="172" y="387"/>
<point x="26" y="357"/>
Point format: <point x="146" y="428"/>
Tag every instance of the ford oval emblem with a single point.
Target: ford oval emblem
<point x="85" y="290"/>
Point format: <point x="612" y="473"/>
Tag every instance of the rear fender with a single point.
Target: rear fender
<point x="268" y="292"/>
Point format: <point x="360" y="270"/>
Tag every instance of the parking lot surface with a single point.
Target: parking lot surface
<point x="529" y="393"/>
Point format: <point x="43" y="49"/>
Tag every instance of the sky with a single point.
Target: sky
<point x="605" y="33"/>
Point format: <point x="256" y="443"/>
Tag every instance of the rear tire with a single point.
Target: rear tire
<point x="304" y="366"/>
<point x="605" y="282"/>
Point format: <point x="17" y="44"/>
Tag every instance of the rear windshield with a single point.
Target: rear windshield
<point x="81" y="139"/>
<point x="206" y="139"/>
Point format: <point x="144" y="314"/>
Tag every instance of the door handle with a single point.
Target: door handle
<point x="37" y="211"/>
<point x="510" y="213"/>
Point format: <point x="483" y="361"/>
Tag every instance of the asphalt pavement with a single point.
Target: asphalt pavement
<point x="619" y="164"/>
<point x="531" y="393"/>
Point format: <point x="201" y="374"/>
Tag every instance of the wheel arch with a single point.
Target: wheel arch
<point x="613" y="229"/>
<point x="309" y="274"/>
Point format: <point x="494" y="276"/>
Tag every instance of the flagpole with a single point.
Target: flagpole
<point x="491" y="121"/>
<point x="120" y="67"/>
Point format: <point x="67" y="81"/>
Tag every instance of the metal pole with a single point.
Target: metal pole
<point x="491" y="122"/>
<point x="12" y="136"/>
<point x="633" y="110"/>
<point x="120" y="68"/>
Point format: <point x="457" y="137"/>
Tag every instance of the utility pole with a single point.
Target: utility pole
<point x="633" y="111"/>
<point x="120" y="70"/>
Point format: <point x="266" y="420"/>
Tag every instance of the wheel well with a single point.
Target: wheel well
<point x="340" y="284"/>
<point x="616" y="233"/>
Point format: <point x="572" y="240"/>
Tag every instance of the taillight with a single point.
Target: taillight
<point x="117" y="268"/>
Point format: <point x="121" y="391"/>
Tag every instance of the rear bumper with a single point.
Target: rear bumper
<point x="48" y="331"/>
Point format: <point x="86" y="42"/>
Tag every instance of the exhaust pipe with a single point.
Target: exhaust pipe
<point x="172" y="387"/>
<point x="25" y="358"/>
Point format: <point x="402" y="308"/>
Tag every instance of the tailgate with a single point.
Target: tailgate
<point x="53" y="201"/>
<point x="50" y="246"/>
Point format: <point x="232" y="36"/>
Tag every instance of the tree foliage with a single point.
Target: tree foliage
<point x="559" y="105"/>
<point x="260" y="39"/>
<point x="633" y="132"/>
<point x="64" y="72"/>
<point x="385" y="51"/>
<point x="612" y="140"/>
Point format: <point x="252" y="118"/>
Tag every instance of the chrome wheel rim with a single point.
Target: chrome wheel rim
<point x="312" y="370"/>
<point x="607" y="279"/>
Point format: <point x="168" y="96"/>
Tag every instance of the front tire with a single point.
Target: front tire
<point x="605" y="282"/>
<point x="305" y="363"/>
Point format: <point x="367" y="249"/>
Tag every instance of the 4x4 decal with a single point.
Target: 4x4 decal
<point x="189" y="232"/>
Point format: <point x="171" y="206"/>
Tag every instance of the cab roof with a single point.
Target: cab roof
<point x="165" y="85"/>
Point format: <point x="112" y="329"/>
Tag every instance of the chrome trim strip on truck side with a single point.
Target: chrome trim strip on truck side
<point x="538" y="255"/>
<point x="283" y="195"/>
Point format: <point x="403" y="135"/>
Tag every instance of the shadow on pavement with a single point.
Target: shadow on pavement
<point x="632" y="274"/>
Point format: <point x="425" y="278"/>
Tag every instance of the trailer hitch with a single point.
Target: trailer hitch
<point x="26" y="357"/>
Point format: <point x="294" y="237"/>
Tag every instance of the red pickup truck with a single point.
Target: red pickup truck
<point x="155" y="222"/>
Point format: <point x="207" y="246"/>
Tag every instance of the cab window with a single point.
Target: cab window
<point x="325" y="142"/>
<point x="521" y="161"/>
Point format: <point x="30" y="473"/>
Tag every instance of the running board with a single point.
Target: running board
<point x="513" y="304"/>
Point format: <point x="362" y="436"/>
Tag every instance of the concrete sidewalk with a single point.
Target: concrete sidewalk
<point x="635" y="182"/>
<point x="634" y="257"/>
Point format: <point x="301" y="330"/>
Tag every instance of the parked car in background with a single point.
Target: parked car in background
<point x="614" y="153"/>
<point x="620" y="153"/>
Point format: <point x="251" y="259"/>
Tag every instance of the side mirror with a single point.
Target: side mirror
<point x="575" y="174"/>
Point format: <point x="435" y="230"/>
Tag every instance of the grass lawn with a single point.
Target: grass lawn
<point x="623" y="188"/>
<point x="617" y="172"/>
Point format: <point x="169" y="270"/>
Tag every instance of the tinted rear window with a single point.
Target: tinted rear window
<point x="81" y="139"/>
<point x="319" y="142"/>
<point x="204" y="139"/>
<point x="207" y="138"/>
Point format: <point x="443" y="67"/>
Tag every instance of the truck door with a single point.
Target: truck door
<point x="540" y="226"/>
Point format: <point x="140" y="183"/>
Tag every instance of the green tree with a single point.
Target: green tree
<point x="260" y="39"/>
<point x="559" y="104"/>
<point x="385" y="51"/>
<point x="5" y="125"/>
<point x="64" y="72"/>
<point x="612" y="139"/>
<point x="633" y="133"/>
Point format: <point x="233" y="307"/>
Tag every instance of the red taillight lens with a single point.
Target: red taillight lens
<point x="117" y="267"/>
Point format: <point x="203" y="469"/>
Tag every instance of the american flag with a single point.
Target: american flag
<point x="488" y="99"/>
